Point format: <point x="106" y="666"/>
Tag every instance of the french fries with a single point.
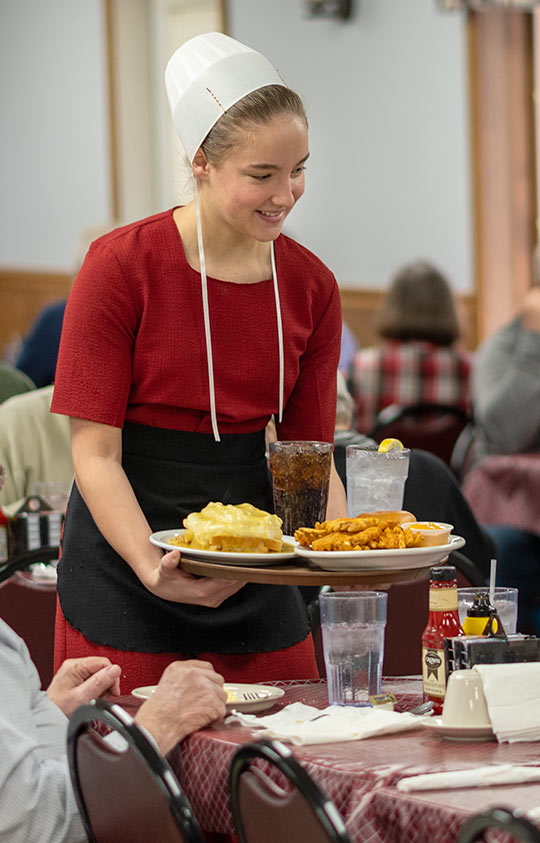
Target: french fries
<point x="368" y="531"/>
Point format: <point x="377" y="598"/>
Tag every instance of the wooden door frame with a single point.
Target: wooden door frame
<point x="503" y="160"/>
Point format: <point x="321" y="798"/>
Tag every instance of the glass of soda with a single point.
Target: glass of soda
<point x="300" y="475"/>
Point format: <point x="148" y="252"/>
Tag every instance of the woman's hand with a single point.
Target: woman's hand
<point x="168" y="581"/>
<point x="97" y="457"/>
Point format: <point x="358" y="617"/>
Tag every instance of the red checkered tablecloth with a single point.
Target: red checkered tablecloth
<point x="360" y="776"/>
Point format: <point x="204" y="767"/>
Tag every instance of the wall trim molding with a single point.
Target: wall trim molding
<point x="360" y="306"/>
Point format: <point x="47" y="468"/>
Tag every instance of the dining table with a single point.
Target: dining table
<point x="360" y="776"/>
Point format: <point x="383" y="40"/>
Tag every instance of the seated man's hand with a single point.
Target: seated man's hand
<point x="189" y="695"/>
<point x="80" y="680"/>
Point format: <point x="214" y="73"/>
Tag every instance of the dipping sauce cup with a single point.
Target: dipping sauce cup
<point x="431" y="532"/>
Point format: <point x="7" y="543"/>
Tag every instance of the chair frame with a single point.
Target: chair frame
<point x="502" y="818"/>
<point x="281" y="757"/>
<point x="22" y="561"/>
<point x="117" y="719"/>
<point x="467" y="567"/>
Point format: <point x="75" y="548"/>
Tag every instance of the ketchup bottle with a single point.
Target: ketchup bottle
<point x="443" y="622"/>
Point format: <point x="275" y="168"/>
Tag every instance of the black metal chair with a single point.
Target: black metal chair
<point x="431" y="427"/>
<point x="22" y="561"/>
<point x="465" y="451"/>
<point x="126" y="794"/>
<point x="517" y="826"/>
<point x="263" y="812"/>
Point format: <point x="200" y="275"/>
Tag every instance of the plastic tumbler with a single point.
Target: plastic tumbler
<point x="375" y="479"/>
<point x="353" y="624"/>
<point x="301" y="475"/>
<point x="506" y="603"/>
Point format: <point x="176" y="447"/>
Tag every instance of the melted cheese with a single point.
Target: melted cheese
<point x="218" y="519"/>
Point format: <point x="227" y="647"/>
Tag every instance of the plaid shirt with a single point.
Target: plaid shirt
<point x="407" y="373"/>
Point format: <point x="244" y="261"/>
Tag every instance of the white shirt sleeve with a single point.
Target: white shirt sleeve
<point x="37" y="804"/>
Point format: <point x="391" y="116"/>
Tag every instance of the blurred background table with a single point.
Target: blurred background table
<point x="505" y="489"/>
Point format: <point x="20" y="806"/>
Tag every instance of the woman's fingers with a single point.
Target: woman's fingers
<point x="170" y="560"/>
<point x="175" y="584"/>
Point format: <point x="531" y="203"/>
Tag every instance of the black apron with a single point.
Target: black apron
<point x="172" y="474"/>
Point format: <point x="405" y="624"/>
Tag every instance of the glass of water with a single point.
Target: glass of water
<point x="506" y="603"/>
<point x="375" y="479"/>
<point x="353" y="624"/>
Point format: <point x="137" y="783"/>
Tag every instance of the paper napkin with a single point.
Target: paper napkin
<point x="304" y="724"/>
<point x="477" y="777"/>
<point x="512" y="694"/>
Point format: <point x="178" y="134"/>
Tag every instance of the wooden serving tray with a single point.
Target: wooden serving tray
<point x="292" y="573"/>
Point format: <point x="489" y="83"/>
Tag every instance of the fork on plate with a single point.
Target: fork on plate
<point x="252" y="696"/>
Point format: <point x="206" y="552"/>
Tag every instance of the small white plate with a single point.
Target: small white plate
<point x="459" y="733"/>
<point x="391" y="560"/>
<point x="160" y="539"/>
<point x="264" y="696"/>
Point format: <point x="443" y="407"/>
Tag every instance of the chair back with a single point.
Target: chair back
<point x="129" y="793"/>
<point x="264" y="812"/>
<point x="466" y="451"/>
<point x="431" y="427"/>
<point x="517" y="827"/>
<point x="22" y="561"/>
<point x="407" y="616"/>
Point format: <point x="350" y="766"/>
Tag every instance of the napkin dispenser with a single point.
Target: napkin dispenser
<point x="466" y="651"/>
<point x="34" y="525"/>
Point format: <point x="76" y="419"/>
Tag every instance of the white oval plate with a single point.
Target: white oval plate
<point x="264" y="696"/>
<point x="220" y="556"/>
<point x="459" y="733"/>
<point x="390" y="560"/>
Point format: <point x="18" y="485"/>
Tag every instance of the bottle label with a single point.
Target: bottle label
<point x="443" y="599"/>
<point x="433" y="672"/>
<point x="3" y="543"/>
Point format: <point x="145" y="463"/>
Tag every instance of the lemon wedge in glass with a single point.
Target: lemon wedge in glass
<point x="388" y="444"/>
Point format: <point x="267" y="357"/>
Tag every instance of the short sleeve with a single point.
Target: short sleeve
<point x="94" y="369"/>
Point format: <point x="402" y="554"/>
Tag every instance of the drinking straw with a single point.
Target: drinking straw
<point x="492" y="575"/>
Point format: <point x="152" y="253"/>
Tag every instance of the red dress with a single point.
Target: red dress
<point x="133" y="356"/>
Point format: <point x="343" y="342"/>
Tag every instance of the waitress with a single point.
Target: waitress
<point x="183" y="334"/>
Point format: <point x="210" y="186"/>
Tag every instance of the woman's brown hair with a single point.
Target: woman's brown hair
<point x="256" y="108"/>
<point x="419" y="306"/>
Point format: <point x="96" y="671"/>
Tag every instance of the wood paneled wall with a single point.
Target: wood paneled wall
<point x="23" y="294"/>
<point x="360" y="306"/>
